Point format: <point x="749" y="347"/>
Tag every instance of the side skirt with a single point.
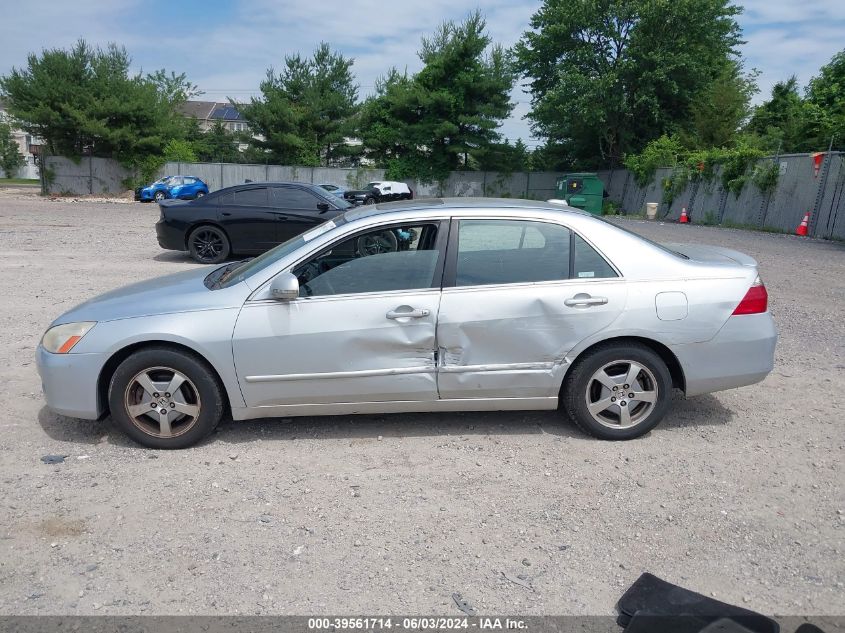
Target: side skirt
<point x="364" y="408"/>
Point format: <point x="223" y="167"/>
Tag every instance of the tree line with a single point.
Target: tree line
<point x="610" y="82"/>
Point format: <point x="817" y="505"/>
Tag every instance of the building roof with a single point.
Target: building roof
<point x="211" y="111"/>
<point x="197" y="109"/>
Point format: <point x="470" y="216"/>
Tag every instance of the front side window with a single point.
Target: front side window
<point x="256" y="197"/>
<point x="400" y="257"/>
<point x="293" y="198"/>
<point x="511" y="251"/>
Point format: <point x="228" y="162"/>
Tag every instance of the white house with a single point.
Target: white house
<point x="24" y="141"/>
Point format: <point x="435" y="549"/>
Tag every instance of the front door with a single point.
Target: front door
<point x="517" y="297"/>
<point x="248" y="219"/>
<point x="362" y="329"/>
<point x="298" y="210"/>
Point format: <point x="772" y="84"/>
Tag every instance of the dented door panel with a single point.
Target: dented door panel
<point x="337" y="349"/>
<point x="510" y="341"/>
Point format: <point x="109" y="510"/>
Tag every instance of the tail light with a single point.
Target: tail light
<point x="755" y="301"/>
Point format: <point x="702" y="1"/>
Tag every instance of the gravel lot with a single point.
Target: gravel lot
<point x="738" y="495"/>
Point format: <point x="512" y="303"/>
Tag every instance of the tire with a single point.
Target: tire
<point x="369" y="200"/>
<point x="192" y="411"/>
<point x="613" y="416"/>
<point x="158" y="196"/>
<point x="209" y="245"/>
<point x="200" y="194"/>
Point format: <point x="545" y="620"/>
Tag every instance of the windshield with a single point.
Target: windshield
<point x="238" y="271"/>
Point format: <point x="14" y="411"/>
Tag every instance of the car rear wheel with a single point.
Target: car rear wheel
<point x="159" y="196"/>
<point x="165" y="398"/>
<point x="208" y="245"/>
<point x="617" y="391"/>
<point x="200" y="194"/>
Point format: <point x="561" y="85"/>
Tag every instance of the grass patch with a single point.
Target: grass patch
<point x="19" y="181"/>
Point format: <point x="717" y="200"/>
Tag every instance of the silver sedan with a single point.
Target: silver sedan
<point x="431" y="305"/>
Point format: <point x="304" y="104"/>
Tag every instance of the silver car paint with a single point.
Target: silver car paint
<point x="341" y="355"/>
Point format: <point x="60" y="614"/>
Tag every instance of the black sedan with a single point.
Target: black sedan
<point x="245" y="219"/>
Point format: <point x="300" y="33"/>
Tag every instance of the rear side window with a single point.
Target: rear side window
<point x="588" y="264"/>
<point x="511" y="251"/>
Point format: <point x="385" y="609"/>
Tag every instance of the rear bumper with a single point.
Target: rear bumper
<point x="170" y="237"/>
<point x="69" y="382"/>
<point x="742" y="353"/>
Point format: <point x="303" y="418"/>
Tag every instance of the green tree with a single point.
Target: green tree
<point x="608" y="76"/>
<point x="826" y="101"/>
<point x="781" y="122"/>
<point x="446" y="116"/>
<point x="217" y="144"/>
<point x="10" y="157"/>
<point x="722" y="107"/>
<point x="85" y="99"/>
<point x="307" y="110"/>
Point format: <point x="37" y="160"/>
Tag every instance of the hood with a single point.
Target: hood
<point x="180" y="292"/>
<point x="712" y="254"/>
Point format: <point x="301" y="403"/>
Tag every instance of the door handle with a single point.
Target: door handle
<point x="408" y="314"/>
<point x="585" y="300"/>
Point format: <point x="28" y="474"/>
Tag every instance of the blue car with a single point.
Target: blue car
<point x="184" y="187"/>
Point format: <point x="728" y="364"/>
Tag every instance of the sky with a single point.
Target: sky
<point x="226" y="46"/>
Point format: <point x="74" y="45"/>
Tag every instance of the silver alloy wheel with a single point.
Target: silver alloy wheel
<point x="200" y="194"/>
<point x="159" y="196"/>
<point x="622" y="394"/>
<point x="162" y="402"/>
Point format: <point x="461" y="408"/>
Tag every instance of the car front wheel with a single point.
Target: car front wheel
<point x="165" y="398"/>
<point x="159" y="196"/>
<point x="617" y="391"/>
<point x="208" y="245"/>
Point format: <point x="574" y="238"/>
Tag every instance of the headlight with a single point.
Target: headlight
<point x="61" y="338"/>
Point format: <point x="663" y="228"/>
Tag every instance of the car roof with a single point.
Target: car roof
<point x="418" y="204"/>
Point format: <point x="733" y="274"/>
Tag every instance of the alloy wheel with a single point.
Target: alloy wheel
<point x="621" y="394"/>
<point x="162" y="402"/>
<point x="208" y="244"/>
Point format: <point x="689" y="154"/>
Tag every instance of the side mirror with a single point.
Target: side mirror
<point x="323" y="206"/>
<point x="284" y="287"/>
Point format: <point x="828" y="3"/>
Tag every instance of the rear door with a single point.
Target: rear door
<point x="248" y="219"/>
<point x="298" y="210"/>
<point x="518" y="296"/>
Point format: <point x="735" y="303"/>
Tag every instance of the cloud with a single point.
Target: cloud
<point x="226" y="47"/>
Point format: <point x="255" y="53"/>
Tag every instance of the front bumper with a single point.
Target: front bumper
<point x="69" y="382"/>
<point x="169" y="237"/>
<point x="742" y="353"/>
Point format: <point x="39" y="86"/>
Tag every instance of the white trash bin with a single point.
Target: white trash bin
<point x="651" y="210"/>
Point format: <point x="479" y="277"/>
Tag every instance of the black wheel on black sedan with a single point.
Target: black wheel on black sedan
<point x="617" y="391"/>
<point x="208" y="245"/>
<point x="165" y="398"/>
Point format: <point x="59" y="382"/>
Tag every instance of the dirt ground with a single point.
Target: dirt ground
<point x="738" y="495"/>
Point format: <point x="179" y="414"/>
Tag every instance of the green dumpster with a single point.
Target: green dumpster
<point x="583" y="191"/>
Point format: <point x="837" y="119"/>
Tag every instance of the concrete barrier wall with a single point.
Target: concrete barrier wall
<point x="799" y="189"/>
<point x="86" y="175"/>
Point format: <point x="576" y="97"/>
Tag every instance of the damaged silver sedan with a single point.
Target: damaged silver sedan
<point x="427" y="305"/>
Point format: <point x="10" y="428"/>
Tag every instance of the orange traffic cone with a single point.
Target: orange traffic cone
<point x="802" y="228"/>
<point x="684" y="217"/>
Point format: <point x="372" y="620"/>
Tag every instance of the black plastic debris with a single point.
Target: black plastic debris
<point x="652" y="605"/>
<point x="53" y="459"/>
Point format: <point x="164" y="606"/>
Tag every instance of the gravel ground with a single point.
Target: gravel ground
<point x="738" y="495"/>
